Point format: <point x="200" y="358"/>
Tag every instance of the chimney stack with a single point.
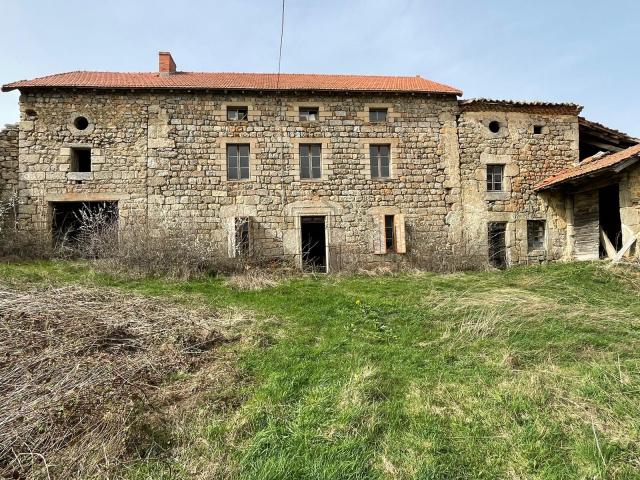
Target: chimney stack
<point x="167" y="65"/>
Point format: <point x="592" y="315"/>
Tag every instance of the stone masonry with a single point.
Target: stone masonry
<point x="161" y="155"/>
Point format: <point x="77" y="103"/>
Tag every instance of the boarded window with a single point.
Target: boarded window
<point x="310" y="161"/>
<point x="80" y="160"/>
<point x="389" y="234"/>
<point x="237" y="113"/>
<point x="377" y="114"/>
<point x="495" y="178"/>
<point x="237" y="161"/>
<point x="308" y="114"/>
<point x="380" y="161"/>
<point x="240" y="237"/>
<point x="535" y="234"/>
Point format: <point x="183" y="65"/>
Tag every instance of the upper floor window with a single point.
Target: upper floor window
<point x="378" y="114"/>
<point x="80" y="160"/>
<point x="535" y="234"/>
<point x="310" y="161"/>
<point x="308" y="114"/>
<point x="380" y="161"/>
<point x="237" y="161"/>
<point x="495" y="178"/>
<point x="237" y="113"/>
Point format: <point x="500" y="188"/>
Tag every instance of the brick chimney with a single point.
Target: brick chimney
<point x="166" y="63"/>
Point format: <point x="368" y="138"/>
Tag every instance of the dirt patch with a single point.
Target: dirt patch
<point x="81" y="369"/>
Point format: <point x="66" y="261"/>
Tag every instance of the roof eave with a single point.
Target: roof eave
<point x="10" y="87"/>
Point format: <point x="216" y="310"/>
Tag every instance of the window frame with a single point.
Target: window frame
<point x="389" y="233"/>
<point x="238" y="109"/>
<point x="536" y="241"/>
<point x="373" y="111"/>
<point x="376" y="160"/>
<point x="239" y="159"/>
<point x="308" y="109"/>
<point x="306" y="154"/>
<point x="491" y="181"/>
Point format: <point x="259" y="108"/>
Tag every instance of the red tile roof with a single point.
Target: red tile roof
<point x="235" y="81"/>
<point x="597" y="163"/>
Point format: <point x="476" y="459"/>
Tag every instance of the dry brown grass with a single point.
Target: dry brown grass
<point x="83" y="370"/>
<point x="255" y="280"/>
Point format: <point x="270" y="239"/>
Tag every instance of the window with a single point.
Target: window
<point x="237" y="162"/>
<point x="81" y="123"/>
<point x="495" y="178"/>
<point x="80" y="160"/>
<point x="389" y="234"/>
<point x="242" y="237"/>
<point x="389" y="237"/>
<point x="535" y="234"/>
<point x="494" y="126"/>
<point x="378" y="114"/>
<point x="379" y="157"/>
<point x="310" y="161"/>
<point x="537" y="129"/>
<point x="308" y="114"/>
<point x="237" y="113"/>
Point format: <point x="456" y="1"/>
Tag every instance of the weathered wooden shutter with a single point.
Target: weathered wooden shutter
<point x="586" y="223"/>
<point x="398" y="227"/>
<point x="379" y="238"/>
<point x="230" y="225"/>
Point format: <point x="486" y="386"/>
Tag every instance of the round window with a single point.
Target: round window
<point x="494" y="126"/>
<point x="31" y="114"/>
<point x="81" y="123"/>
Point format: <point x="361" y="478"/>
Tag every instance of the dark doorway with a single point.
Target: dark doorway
<point x="314" y="252"/>
<point x="70" y="220"/>
<point x="497" y="244"/>
<point x="609" y="208"/>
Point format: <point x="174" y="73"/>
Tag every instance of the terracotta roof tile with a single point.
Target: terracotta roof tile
<point x="235" y="81"/>
<point x="590" y="165"/>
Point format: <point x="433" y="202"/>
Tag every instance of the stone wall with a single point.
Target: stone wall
<point x="528" y="157"/>
<point x="162" y="156"/>
<point x="8" y="161"/>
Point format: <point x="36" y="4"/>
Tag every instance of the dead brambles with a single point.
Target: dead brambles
<point x="82" y="370"/>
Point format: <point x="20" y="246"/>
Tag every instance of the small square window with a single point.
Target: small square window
<point x="237" y="113"/>
<point x="237" y="162"/>
<point x="378" y="114"/>
<point x="308" y="114"/>
<point x="535" y="234"/>
<point x="242" y="239"/>
<point x="537" y="129"/>
<point x="80" y="160"/>
<point x="495" y="178"/>
<point x="380" y="161"/>
<point x="310" y="161"/>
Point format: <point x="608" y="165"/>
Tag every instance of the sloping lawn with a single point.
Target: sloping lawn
<point x="529" y="373"/>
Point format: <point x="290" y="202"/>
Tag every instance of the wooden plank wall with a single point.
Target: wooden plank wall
<point x="586" y="225"/>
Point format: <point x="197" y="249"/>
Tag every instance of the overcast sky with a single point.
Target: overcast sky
<point x="561" y="50"/>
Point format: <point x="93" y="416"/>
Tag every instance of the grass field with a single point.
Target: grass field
<point x="529" y="373"/>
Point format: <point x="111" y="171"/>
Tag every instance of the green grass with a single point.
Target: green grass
<point x="529" y="373"/>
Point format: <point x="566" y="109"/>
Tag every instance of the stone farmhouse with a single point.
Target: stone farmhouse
<point x="325" y="170"/>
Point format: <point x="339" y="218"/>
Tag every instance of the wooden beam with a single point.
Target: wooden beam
<point x="625" y="248"/>
<point x="608" y="246"/>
